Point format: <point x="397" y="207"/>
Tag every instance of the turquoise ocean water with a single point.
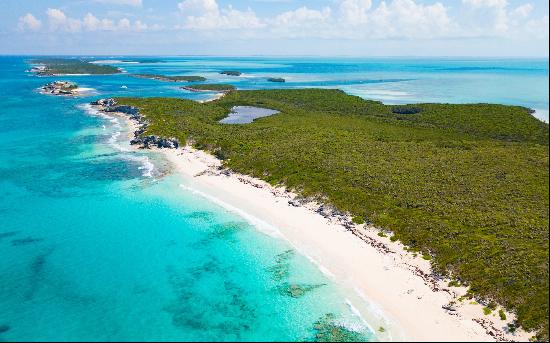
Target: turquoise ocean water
<point x="96" y="244"/>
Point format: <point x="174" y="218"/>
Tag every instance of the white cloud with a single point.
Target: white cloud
<point x="302" y="16"/>
<point x="136" y="3"/>
<point x="341" y="19"/>
<point x="486" y="3"/>
<point x="206" y="15"/>
<point x="407" y="19"/>
<point x="59" y="21"/>
<point x="29" y="22"/>
<point x="355" y="11"/>
<point x="198" y="7"/>
<point x="523" y="11"/>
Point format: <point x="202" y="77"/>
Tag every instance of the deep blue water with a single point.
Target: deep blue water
<point x="96" y="245"/>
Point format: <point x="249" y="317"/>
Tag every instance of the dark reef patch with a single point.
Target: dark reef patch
<point x="8" y="234"/>
<point x="295" y="290"/>
<point x="327" y="330"/>
<point x="281" y="269"/>
<point x="25" y="241"/>
<point x="36" y="268"/>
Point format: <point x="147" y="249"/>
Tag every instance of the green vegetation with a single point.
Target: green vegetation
<point x="210" y="88"/>
<point x="231" y="72"/>
<point x="466" y="183"/>
<point x="276" y="79"/>
<point x="68" y="66"/>
<point x="454" y="283"/>
<point x="501" y="314"/>
<point x="487" y="311"/>
<point x="170" y="78"/>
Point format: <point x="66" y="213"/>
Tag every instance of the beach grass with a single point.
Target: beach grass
<point x="466" y="185"/>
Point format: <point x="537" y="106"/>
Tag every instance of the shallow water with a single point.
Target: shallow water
<point x="246" y="114"/>
<point x="95" y="244"/>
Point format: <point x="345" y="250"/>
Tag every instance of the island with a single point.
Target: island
<point x="276" y="79"/>
<point x="223" y="88"/>
<point x="70" y="66"/>
<point x="60" y="88"/>
<point x="463" y="186"/>
<point x="171" y="78"/>
<point x="231" y="72"/>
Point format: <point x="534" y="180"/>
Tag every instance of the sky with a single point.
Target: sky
<point x="499" y="28"/>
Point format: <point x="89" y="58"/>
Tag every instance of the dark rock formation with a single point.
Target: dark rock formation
<point x="146" y="142"/>
<point x="231" y="72"/>
<point x="276" y="79"/>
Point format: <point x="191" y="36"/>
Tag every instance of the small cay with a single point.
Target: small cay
<point x="276" y="79"/>
<point x="60" y="88"/>
<point x="231" y="72"/>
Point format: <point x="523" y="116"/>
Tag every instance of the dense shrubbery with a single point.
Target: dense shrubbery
<point x="467" y="184"/>
<point x="408" y="109"/>
<point x="55" y="66"/>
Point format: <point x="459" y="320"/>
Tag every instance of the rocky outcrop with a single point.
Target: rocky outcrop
<point x="145" y="142"/>
<point x="276" y="79"/>
<point x="231" y="72"/>
<point x="154" y="141"/>
<point x="60" y="88"/>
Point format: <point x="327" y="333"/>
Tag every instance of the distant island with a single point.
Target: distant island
<point x="413" y="170"/>
<point x="276" y="79"/>
<point x="171" y="78"/>
<point x="231" y="72"/>
<point x="210" y="88"/>
<point x="68" y="66"/>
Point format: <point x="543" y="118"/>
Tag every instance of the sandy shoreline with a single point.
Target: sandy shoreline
<point x="397" y="291"/>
